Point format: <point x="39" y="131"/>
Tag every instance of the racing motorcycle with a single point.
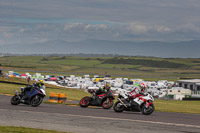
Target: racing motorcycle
<point x="105" y="99"/>
<point x="34" y="96"/>
<point x="143" y="103"/>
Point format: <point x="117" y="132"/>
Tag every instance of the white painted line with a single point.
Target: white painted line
<point x="117" y="119"/>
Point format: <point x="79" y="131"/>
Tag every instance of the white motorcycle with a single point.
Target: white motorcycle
<point x="142" y="103"/>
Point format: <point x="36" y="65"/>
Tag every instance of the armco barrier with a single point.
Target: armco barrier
<point x="57" y="97"/>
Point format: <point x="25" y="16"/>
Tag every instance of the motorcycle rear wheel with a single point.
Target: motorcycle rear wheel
<point x="107" y="104"/>
<point x="118" y="107"/>
<point x="36" y="101"/>
<point x="15" y="100"/>
<point x="148" y="111"/>
<point x="84" y="102"/>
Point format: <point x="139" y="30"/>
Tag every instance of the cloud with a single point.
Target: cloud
<point x="95" y="27"/>
<point x="85" y="27"/>
<point x="43" y="40"/>
<point x="7" y="35"/>
<point x="188" y="28"/>
<point x="1" y="42"/>
<point x="133" y="20"/>
<point x="116" y="35"/>
<point x="137" y="28"/>
<point x="21" y="30"/>
<point x="163" y="29"/>
<point x="74" y="26"/>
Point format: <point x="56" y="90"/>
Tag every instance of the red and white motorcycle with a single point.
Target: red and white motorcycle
<point x="143" y="103"/>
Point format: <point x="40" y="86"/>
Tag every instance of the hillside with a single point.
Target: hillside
<point x="189" y="49"/>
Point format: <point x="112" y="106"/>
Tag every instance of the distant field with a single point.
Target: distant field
<point x="135" y="67"/>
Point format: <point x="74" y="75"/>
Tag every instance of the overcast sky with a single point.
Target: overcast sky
<point x="31" y="21"/>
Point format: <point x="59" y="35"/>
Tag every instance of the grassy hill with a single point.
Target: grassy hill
<point x="148" y="68"/>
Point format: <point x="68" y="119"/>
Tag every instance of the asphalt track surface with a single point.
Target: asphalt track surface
<point x="98" y="120"/>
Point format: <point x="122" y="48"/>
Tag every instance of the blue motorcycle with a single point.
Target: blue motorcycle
<point x="34" y="96"/>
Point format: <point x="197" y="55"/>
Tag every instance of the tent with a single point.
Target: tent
<point x="12" y="76"/>
<point x="34" y="77"/>
<point x="53" y="79"/>
<point x="23" y="75"/>
<point x="40" y="77"/>
<point x="16" y="74"/>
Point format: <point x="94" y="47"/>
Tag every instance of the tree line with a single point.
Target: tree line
<point x="145" y="62"/>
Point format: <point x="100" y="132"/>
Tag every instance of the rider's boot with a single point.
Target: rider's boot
<point x="94" y="96"/>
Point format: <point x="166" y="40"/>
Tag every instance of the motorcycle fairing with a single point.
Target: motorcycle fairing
<point x="32" y="93"/>
<point x="101" y="96"/>
<point x="96" y="102"/>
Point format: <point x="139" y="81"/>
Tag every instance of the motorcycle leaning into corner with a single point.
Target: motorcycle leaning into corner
<point x="142" y="104"/>
<point x="105" y="99"/>
<point x="34" y="96"/>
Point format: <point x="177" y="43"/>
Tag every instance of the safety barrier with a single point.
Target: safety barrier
<point x="62" y="98"/>
<point x="57" y="97"/>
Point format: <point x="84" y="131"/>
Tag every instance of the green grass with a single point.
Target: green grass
<point x="12" y="129"/>
<point x="9" y="88"/>
<point x="178" y="106"/>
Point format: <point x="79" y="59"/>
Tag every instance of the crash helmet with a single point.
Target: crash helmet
<point x="107" y="86"/>
<point x="41" y="82"/>
<point x="142" y="87"/>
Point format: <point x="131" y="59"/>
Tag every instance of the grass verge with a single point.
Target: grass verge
<point x="11" y="129"/>
<point x="177" y="106"/>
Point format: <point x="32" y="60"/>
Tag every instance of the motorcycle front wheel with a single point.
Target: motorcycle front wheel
<point x="36" y="101"/>
<point x="84" y="102"/>
<point x="15" y="100"/>
<point x="108" y="103"/>
<point x="149" y="110"/>
<point x="118" y="107"/>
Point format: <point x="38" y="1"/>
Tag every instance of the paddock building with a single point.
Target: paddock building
<point x="192" y="84"/>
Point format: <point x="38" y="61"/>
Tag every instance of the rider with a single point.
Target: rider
<point x="39" y="85"/>
<point x="104" y="89"/>
<point x="137" y="91"/>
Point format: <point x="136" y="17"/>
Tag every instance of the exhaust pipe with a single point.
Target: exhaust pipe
<point x="122" y="102"/>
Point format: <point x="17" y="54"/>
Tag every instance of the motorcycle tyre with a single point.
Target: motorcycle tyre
<point x="118" y="110"/>
<point x="85" y="105"/>
<point x="107" y="107"/>
<point x="150" y="111"/>
<point x="38" y="103"/>
<point x="14" y="101"/>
